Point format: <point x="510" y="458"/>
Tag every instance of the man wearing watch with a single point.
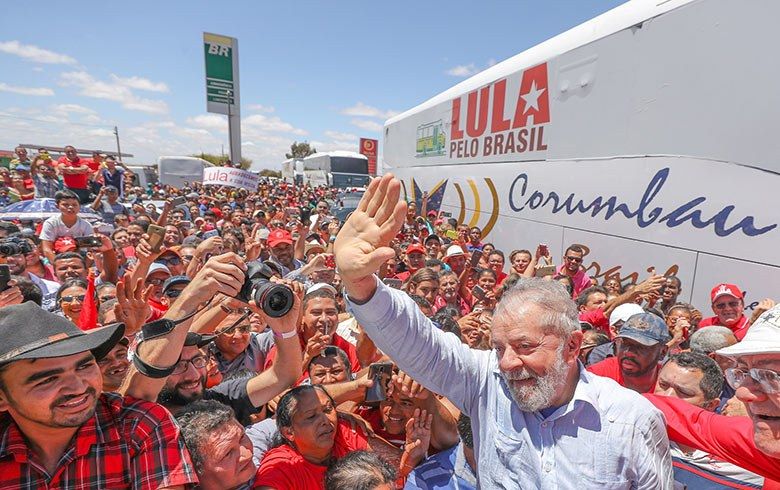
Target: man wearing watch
<point x="180" y="364"/>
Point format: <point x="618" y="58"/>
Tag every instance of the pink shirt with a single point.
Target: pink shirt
<point x="581" y="280"/>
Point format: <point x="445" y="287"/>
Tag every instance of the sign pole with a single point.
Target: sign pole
<point x="222" y="86"/>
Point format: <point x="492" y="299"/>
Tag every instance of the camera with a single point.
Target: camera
<point x="14" y="246"/>
<point x="276" y="300"/>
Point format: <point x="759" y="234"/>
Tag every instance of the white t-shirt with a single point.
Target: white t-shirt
<point x="54" y="228"/>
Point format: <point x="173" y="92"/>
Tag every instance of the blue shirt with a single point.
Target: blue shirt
<point x="446" y="470"/>
<point x="605" y="437"/>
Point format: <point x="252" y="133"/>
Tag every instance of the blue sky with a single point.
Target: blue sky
<point x="325" y="72"/>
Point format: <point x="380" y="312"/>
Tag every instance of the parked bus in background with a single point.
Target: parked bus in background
<point x="646" y="134"/>
<point x="181" y="171"/>
<point x="339" y="169"/>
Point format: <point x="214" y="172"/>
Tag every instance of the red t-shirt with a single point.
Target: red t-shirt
<point x="373" y="416"/>
<point x="740" y="328"/>
<point x="610" y="368"/>
<point x="337" y="341"/>
<point x="74" y="181"/>
<point x="283" y="468"/>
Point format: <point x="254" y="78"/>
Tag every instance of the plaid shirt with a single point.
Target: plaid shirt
<point x="128" y="443"/>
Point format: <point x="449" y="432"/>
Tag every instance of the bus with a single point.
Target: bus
<point x="645" y="134"/>
<point x="180" y="171"/>
<point x="340" y="169"/>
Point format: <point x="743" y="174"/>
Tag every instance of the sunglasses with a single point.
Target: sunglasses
<point x="574" y="259"/>
<point x="766" y="378"/>
<point x="72" y="299"/>
<point x="155" y="282"/>
<point x="169" y="261"/>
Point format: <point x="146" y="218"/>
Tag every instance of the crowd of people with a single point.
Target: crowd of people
<point x="146" y="350"/>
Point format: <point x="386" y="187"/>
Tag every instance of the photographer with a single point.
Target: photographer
<point x="14" y="250"/>
<point x="223" y="274"/>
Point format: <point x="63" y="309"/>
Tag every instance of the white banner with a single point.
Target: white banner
<point x="232" y="177"/>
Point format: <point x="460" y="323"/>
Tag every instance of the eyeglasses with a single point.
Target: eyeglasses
<point x="242" y="329"/>
<point x="574" y="259"/>
<point x="169" y="261"/>
<point x="72" y="299"/>
<point x="103" y="299"/>
<point x="766" y="378"/>
<point x="198" y="362"/>
<point x="730" y="304"/>
<point x="155" y="282"/>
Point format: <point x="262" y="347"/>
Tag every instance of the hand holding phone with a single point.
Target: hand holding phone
<point x="88" y="242"/>
<point x="478" y="293"/>
<point x="380" y="373"/>
<point x="476" y="256"/>
<point x="178" y="201"/>
<point x="156" y="235"/>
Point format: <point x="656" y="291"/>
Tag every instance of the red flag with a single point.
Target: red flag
<point x="89" y="312"/>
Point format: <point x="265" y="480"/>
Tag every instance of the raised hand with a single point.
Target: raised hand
<point x="132" y="306"/>
<point x="362" y="244"/>
<point x="418" y="438"/>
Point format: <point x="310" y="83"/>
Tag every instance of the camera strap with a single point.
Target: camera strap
<point x="152" y="330"/>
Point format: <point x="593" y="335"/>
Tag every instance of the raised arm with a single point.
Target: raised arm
<point x="440" y="362"/>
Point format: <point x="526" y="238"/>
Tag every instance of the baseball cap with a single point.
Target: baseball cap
<point x="322" y="285"/>
<point x="262" y="234"/>
<point x="432" y="213"/>
<point x="645" y="328"/>
<point x="415" y="247"/>
<point x="431" y="238"/>
<point x="278" y="236"/>
<point x="763" y="337"/>
<point x="725" y="289"/>
<point x="155" y="267"/>
<point x="314" y="245"/>
<point x="173" y="281"/>
<point x="453" y="251"/>
<point x="49" y="335"/>
<point x="624" y="312"/>
<point x="110" y="188"/>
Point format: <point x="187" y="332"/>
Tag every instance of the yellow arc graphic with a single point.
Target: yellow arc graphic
<point x="478" y="205"/>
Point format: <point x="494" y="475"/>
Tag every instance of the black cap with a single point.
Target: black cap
<point x="29" y="332"/>
<point x="174" y="280"/>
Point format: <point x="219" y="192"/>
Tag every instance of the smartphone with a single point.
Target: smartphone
<point x="393" y="282"/>
<point x="478" y="292"/>
<point x="88" y="242"/>
<point x="105" y="229"/>
<point x="186" y="224"/>
<point x="380" y="373"/>
<point x="156" y="235"/>
<point x="446" y="214"/>
<point x="451" y="234"/>
<point x="5" y="277"/>
<point x="476" y="256"/>
<point x="178" y="201"/>
<point x="330" y="261"/>
<point x="544" y="250"/>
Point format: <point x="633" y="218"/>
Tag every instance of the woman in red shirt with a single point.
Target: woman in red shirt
<point x="313" y="436"/>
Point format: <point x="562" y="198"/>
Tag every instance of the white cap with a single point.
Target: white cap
<point x="155" y="267"/>
<point x="322" y="285"/>
<point x="453" y="250"/>
<point x="624" y="312"/>
<point x="262" y="234"/>
<point x="763" y="337"/>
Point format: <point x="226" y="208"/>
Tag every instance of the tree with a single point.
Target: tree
<point x="300" y="150"/>
<point x="220" y="160"/>
<point x="270" y="173"/>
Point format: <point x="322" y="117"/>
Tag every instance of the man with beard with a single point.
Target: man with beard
<point x="572" y="267"/>
<point x="528" y="396"/>
<point x="57" y="430"/>
<point x="640" y="345"/>
<point x="728" y="306"/>
<point x="280" y="243"/>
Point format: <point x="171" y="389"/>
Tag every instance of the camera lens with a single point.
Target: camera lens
<point x="276" y="300"/>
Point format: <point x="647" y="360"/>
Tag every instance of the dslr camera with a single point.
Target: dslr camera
<point x="276" y="300"/>
<point x="14" y="246"/>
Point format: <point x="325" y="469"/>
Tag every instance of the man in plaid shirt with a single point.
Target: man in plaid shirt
<point x="59" y="431"/>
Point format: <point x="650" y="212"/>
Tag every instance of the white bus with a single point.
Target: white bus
<point x="181" y="171"/>
<point x="646" y="134"/>
<point x="339" y="169"/>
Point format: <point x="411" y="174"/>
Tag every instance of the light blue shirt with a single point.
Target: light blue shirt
<point x="606" y="437"/>
<point x="447" y="470"/>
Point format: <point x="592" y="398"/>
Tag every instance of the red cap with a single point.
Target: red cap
<point x="65" y="244"/>
<point x="725" y="290"/>
<point x="415" y="247"/>
<point x="432" y="213"/>
<point x="279" y="236"/>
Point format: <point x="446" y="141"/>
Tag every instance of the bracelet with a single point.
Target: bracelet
<point x="286" y="335"/>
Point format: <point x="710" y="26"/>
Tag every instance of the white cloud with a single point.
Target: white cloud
<point x="367" y="125"/>
<point x="35" y="54"/>
<point x="261" y="108"/>
<point x="91" y="87"/>
<point x="209" y="121"/>
<point x="362" y="110"/>
<point x="100" y="132"/>
<point x="463" y="70"/>
<point x="266" y="123"/>
<point x="36" y="91"/>
<point x="72" y="108"/>
<point x="340" y="136"/>
<point x="140" y="83"/>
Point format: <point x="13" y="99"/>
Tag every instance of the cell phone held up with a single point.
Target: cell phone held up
<point x="156" y="235"/>
<point x="476" y="256"/>
<point x="178" y="201"/>
<point x="478" y="293"/>
<point x="379" y="373"/>
<point x="88" y="242"/>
